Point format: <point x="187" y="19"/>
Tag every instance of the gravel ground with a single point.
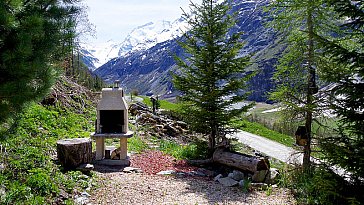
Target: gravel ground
<point x="117" y="187"/>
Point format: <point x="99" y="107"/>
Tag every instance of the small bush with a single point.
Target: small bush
<point x="40" y="182"/>
<point x="321" y="186"/>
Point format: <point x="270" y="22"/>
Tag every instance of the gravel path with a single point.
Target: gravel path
<point x="269" y="147"/>
<point x="136" y="188"/>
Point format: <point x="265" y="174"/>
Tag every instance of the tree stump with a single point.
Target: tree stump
<point x="73" y="152"/>
<point x="240" y="161"/>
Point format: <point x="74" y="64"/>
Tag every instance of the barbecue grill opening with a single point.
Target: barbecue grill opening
<point x="111" y="121"/>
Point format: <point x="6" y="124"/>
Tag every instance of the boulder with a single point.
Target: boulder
<point x="228" y="182"/>
<point x="242" y="183"/>
<point x="236" y="175"/>
<point x="217" y="177"/>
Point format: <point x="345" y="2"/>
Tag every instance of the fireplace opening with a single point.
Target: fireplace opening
<point x="111" y="121"/>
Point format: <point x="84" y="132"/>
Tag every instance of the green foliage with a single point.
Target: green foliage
<point x="260" y="130"/>
<point x="31" y="176"/>
<point x="33" y="40"/>
<point x="246" y="186"/>
<point x="163" y="104"/>
<point x="210" y="75"/>
<point x="302" y="61"/>
<point x="321" y="186"/>
<point x="345" y="148"/>
<point x="195" y="150"/>
<point x="82" y="75"/>
<point x="137" y="144"/>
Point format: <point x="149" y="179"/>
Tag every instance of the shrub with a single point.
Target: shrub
<point x="321" y="186"/>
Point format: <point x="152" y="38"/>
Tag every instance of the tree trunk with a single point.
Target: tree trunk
<point x="73" y="152"/>
<point x="240" y="161"/>
<point x="310" y="89"/>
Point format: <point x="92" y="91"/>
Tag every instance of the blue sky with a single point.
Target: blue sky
<point x="114" y="19"/>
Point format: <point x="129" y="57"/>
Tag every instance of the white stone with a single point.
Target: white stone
<point x="167" y="172"/>
<point x="81" y="200"/>
<point x="217" y="177"/>
<point x="132" y="169"/>
<point x="85" y="194"/>
<point x="272" y="176"/>
<point x="242" y="183"/>
<point x="228" y="182"/>
<point x="236" y="175"/>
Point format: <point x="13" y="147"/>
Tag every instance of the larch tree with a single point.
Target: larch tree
<point x="346" y="148"/>
<point x="33" y="38"/>
<point x="298" y="22"/>
<point x="210" y="75"/>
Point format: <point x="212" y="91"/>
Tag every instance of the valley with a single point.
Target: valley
<point x="145" y="59"/>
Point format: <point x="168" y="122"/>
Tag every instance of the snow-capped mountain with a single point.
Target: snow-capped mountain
<point x="139" y="39"/>
<point x="149" y="70"/>
<point x="99" y="54"/>
<point x="152" y="33"/>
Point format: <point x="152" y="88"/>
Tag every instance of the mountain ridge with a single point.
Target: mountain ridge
<point x="149" y="71"/>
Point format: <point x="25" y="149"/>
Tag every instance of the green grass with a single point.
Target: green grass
<point x="195" y="150"/>
<point x="320" y="186"/>
<point x="164" y="104"/>
<point x="137" y="144"/>
<point x="31" y="175"/>
<point x="260" y="130"/>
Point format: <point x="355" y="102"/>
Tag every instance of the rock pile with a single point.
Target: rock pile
<point x="260" y="179"/>
<point x="161" y="126"/>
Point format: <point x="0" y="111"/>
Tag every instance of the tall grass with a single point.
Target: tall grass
<point x="320" y="186"/>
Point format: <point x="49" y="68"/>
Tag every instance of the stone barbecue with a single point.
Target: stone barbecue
<point x="112" y="122"/>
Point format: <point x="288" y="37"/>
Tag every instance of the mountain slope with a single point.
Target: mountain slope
<point x="150" y="34"/>
<point x="148" y="71"/>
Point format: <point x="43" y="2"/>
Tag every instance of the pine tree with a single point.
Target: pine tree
<point x="297" y="71"/>
<point x="210" y="75"/>
<point x="32" y="42"/>
<point x="346" y="148"/>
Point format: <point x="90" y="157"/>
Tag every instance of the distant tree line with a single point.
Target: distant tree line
<point x="75" y="68"/>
